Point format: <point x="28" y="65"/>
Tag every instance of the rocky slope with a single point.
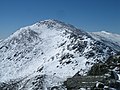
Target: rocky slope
<point x="43" y="55"/>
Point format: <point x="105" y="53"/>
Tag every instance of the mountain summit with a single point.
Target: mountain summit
<point x="46" y="53"/>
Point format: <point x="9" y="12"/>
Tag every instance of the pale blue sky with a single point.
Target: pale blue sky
<point x="89" y="15"/>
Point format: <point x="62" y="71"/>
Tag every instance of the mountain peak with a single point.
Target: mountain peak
<point x="55" y="23"/>
<point x="51" y="21"/>
<point x="105" y="32"/>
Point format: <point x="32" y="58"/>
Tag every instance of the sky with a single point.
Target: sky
<point x="88" y="15"/>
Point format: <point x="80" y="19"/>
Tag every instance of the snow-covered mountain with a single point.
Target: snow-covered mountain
<point x="46" y="53"/>
<point x="110" y="39"/>
<point x="0" y="40"/>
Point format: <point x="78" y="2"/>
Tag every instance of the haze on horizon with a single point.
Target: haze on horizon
<point x="88" y="15"/>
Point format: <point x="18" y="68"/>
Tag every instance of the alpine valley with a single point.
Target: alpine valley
<point x="43" y="55"/>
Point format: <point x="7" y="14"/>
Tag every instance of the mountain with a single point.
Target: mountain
<point x="43" y="55"/>
<point x="0" y="40"/>
<point x="110" y="39"/>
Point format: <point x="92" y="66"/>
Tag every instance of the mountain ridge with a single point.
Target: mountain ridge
<point x="108" y="38"/>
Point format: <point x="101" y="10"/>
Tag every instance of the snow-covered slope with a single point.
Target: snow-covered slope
<point x="51" y="48"/>
<point x="110" y="39"/>
<point x="0" y="40"/>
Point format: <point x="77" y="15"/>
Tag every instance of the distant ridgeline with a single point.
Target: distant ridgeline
<point x="105" y="74"/>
